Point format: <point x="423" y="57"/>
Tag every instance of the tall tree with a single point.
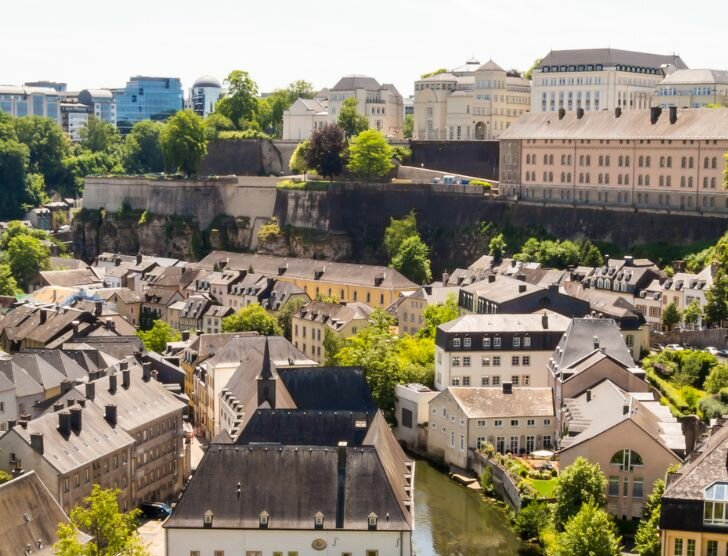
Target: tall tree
<point x="413" y="260"/>
<point x="589" y="254"/>
<point x="183" y="142"/>
<point x="326" y="146"/>
<point x="215" y="123"/>
<point x="438" y="314"/>
<point x="370" y="154"/>
<point x="497" y="247"/>
<point x="298" y="163"/>
<point x="579" y="483"/>
<point x="240" y="104"/>
<point x="47" y="146"/>
<point x="13" y="174"/>
<point x="398" y="230"/>
<point x="590" y="532"/>
<point x="716" y="307"/>
<point x="528" y="74"/>
<point x="112" y="532"/>
<point x="8" y="285"/>
<point x="26" y="256"/>
<point x="300" y="89"/>
<point x="285" y="315"/>
<point x="647" y="537"/>
<point x="252" y="318"/>
<point x="692" y="313"/>
<point x="671" y="316"/>
<point x="158" y="336"/>
<point x="99" y="136"/>
<point x="409" y="126"/>
<point x="143" y="148"/>
<point x="350" y="120"/>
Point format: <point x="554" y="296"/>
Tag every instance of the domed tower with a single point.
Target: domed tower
<point x="204" y="94"/>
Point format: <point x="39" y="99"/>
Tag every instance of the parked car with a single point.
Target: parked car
<point x="712" y="350"/>
<point x="723" y="352"/>
<point x="155" y="510"/>
<point x="674" y="347"/>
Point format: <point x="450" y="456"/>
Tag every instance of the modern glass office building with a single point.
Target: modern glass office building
<point x="29" y="101"/>
<point x="147" y="98"/>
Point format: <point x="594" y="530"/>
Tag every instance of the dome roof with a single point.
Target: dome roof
<point x="207" y="81"/>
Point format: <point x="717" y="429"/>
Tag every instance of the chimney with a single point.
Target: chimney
<point x="588" y="395"/>
<point x="146" y="371"/>
<point x="596" y="342"/>
<point x="64" y="423"/>
<point x="98" y="306"/>
<point x="579" y="113"/>
<point x="117" y="261"/>
<point x="185" y="335"/>
<point x="110" y="414"/>
<point x="11" y="424"/>
<point x="75" y="325"/>
<point x="445" y="278"/>
<point x="341" y="484"/>
<point x="90" y="389"/>
<point x="617" y="112"/>
<point x="521" y="288"/>
<point x="112" y="383"/>
<point x="139" y="258"/>
<point x="628" y="260"/>
<point x="655" y="112"/>
<point x="673" y="114"/>
<point x="43" y="315"/>
<point x="110" y="324"/>
<point x="57" y="407"/>
<point x="491" y="278"/>
<point x="76" y="418"/>
<point x="562" y="113"/>
<point x="545" y="321"/>
<point x="125" y="378"/>
<point x="508" y="388"/>
<point x="65" y="385"/>
<point x="428" y="290"/>
<point x="36" y="442"/>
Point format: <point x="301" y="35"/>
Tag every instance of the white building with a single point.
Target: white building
<point x="303" y="117"/>
<point x="598" y="79"/>
<point x="29" y="101"/>
<point x="472" y="102"/>
<point x="204" y="94"/>
<point x="692" y="88"/>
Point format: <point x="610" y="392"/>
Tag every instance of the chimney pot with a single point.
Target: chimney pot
<point x="521" y="288"/>
<point x="562" y="113"/>
<point x="126" y="378"/>
<point x="491" y="278"/>
<point x="98" y="306"/>
<point x="43" y="315"/>
<point x="617" y="112"/>
<point x="112" y="383"/>
<point x="185" y="335"/>
<point x="146" y="371"/>
<point x="673" y="114"/>
<point x="64" y="423"/>
<point x="655" y="112"/>
<point x="111" y="414"/>
<point x="75" y="325"/>
<point x="90" y="389"/>
<point x="545" y="320"/>
<point x="77" y="418"/>
<point x="65" y="386"/>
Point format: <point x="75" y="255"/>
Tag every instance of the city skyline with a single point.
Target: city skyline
<point x="401" y="41"/>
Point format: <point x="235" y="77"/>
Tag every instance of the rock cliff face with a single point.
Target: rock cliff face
<point x="308" y="243"/>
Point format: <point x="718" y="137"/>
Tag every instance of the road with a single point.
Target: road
<point x="152" y="536"/>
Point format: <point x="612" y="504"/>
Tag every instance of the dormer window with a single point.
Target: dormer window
<point x="207" y="518"/>
<point x="318" y="521"/>
<point x="372" y="521"/>
<point x="716" y="501"/>
<point x="263" y="519"/>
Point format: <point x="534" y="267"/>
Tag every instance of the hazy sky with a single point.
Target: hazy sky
<point x="92" y="44"/>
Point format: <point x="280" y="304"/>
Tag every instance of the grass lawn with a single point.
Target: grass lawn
<point x="545" y="488"/>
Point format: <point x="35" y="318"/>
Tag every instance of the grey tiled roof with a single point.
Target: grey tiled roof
<point x="353" y="82"/>
<point x="579" y="341"/>
<point x="609" y="57"/>
<point x="492" y="402"/>
<point x="506" y="323"/>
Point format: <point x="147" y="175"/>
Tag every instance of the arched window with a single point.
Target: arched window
<point x="601" y="160"/>
<point x="691" y="162"/>
<point x="683" y="162"/>
<point x="712" y="183"/>
<point x="607" y="283"/>
<point x="568" y="176"/>
<point x="668" y="181"/>
<point x="690" y="181"/>
<point x="662" y="162"/>
<point x="706" y="162"/>
<point x="563" y="159"/>
<point x="641" y="161"/>
<point x="599" y="179"/>
<point x="607" y="160"/>
<point x="662" y="181"/>
<point x="627" y="460"/>
<point x="705" y="181"/>
<point x="528" y="159"/>
<point x="714" y="163"/>
<point x="619" y="179"/>
<point x="563" y="176"/>
<point x="620" y="161"/>
<point x="669" y="162"/>
<point x="545" y="159"/>
<point x="551" y="176"/>
<point x="606" y="179"/>
<point x="648" y="161"/>
<point x="588" y="160"/>
<point x="600" y="283"/>
<point x="626" y="179"/>
<point x="551" y="159"/>
<point x="639" y="179"/>
<point x="682" y="181"/>
<point x="626" y="161"/>
<point x="647" y="179"/>
<point x="581" y="178"/>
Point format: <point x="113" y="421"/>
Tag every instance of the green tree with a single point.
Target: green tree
<point x="350" y="120"/>
<point x="398" y="230"/>
<point x="413" y="260"/>
<point x="671" y="316"/>
<point x="215" y="123"/>
<point x="717" y="379"/>
<point x="143" y="148"/>
<point x="438" y="314"/>
<point x="409" y="126"/>
<point x="528" y="74"/>
<point x="158" y="336"/>
<point x="716" y="306"/>
<point x="26" y="256"/>
<point x="589" y="254"/>
<point x="113" y="533"/>
<point x="252" y="318"/>
<point x="285" y="315"/>
<point x="323" y="155"/>
<point x="99" y="136"/>
<point x="8" y="285"/>
<point x="590" y="532"/>
<point x="183" y="142"/>
<point x="35" y="190"/>
<point x="47" y="146"/>
<point x="497" y="247"/>
<point x="579" y="483"/>
<point x="87" y="163"/>
<point x="692" y="313"/>
<point x="370" y="154"/>
<point x="531" y="520"/>
<point x="240" y="104"/>
<point x="13" y="178"/>
<point x="298" y="163"/>
<point x="332" y="345"/>
<point x="647" y="537"/>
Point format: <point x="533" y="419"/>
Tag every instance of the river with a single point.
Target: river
<point x="451" y="520"/>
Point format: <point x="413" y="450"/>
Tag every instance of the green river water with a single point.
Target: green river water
<point x="453" y="521"/>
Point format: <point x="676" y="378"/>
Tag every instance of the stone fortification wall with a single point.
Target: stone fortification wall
<point x="469" y="158"/>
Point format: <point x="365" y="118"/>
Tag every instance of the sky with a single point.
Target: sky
<point x="93" y="44"/>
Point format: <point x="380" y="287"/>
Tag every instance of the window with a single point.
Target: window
<point x="547" y="441"/>
<point x="456" y="343"/>
<point x="496" y="381"/>
<point x="466" y="361"/>
<point x="516" y="342"/>
<point x="514" y="422"/>
<point x="638" y="486"/>
<point x="407" y="418"/>
<point x="716" y="500"/>
<point x="455" y="381"/>
<point x="531" y="422"/>
<point x="452" y="439"/>
<point x="485" y="380"/>
<point x="481" y="422"/>
<point x="498" y="423"/>
<point x="515" y="380"/>
<point x="485" y="361"/>
<point x="712" y="548"/>
<point x="466" y="381"/>
<point x="496" y="361"/>
<point x="194" y="553"/>
<point x="526" y="360"/>
<point x="626" y="459"/>
<point x="691" y="547"/>
<point x="486" y="343"/>
<point x="456" y="361"/>
<point x="678" y="546"/>
<point x="613" y="486"/>
<point x="527" y="341"/>
<point x="219" y="553"/>
<point x="466" y="342"/>
<point x="376" y="552"/>
<point x="496" y="342"/>
<point x="515" y="360"/>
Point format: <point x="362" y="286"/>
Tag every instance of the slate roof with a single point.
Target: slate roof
<point x="25" y="385"/>
<point x="485" y="403"/>
<point x="695" y="77"/>
<point x="28" y="514"/>
<point x="64" y="263"/>
<point x="49" y="370"/>
<point x="691" y="124"/>
<point x="490" y="65"/>
<point x="328" y="388"/>
<point x="610" y="57"/>
<point x="579" y="340"/>
<point x="506" y="323"/>
<point x="502" y="289"/>
<point x="69" y="278"/>
<point x="334" y="315"/>
<point x="353" y="82"/>
<point x="343" y="273"/>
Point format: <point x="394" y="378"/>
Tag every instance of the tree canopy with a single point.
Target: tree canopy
<point x="398" y="230"/>
<point x="349" y="118"/>
<point x="590" y="532"/>
<point x="99" y="136"/>
<point x="438" y="314"/>
<point x="298" y="162"/>
<point x="497" y="247"/>
<point x="580" y="483"/>
<point x="47" y="146"/>
<point x="143" y="148"/>
<point x="671" y="316"/>
<point x="647" y="537"/>
<point x="26" y="256"/>
<point x="370" y="154"/>
<point x="409" y="126"/>
<point x="413" y="260"/>
<point x="183" y="142"/>
<point x="324" y="153"/>
<point x="158" y="336"/>
<point x="112" y="532"/>
<point x="252" y="318"/>
<point x="240" y="104"/>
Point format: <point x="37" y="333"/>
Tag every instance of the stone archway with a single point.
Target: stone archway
<point x="480" y="131"/>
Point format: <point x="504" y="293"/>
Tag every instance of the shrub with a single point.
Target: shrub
<point x="724" y="395"/>
<point x="144" y="218"/>
<point x="712" y="408"/>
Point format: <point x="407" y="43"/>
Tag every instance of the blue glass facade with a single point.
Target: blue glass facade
<point x="147" y="98"/>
